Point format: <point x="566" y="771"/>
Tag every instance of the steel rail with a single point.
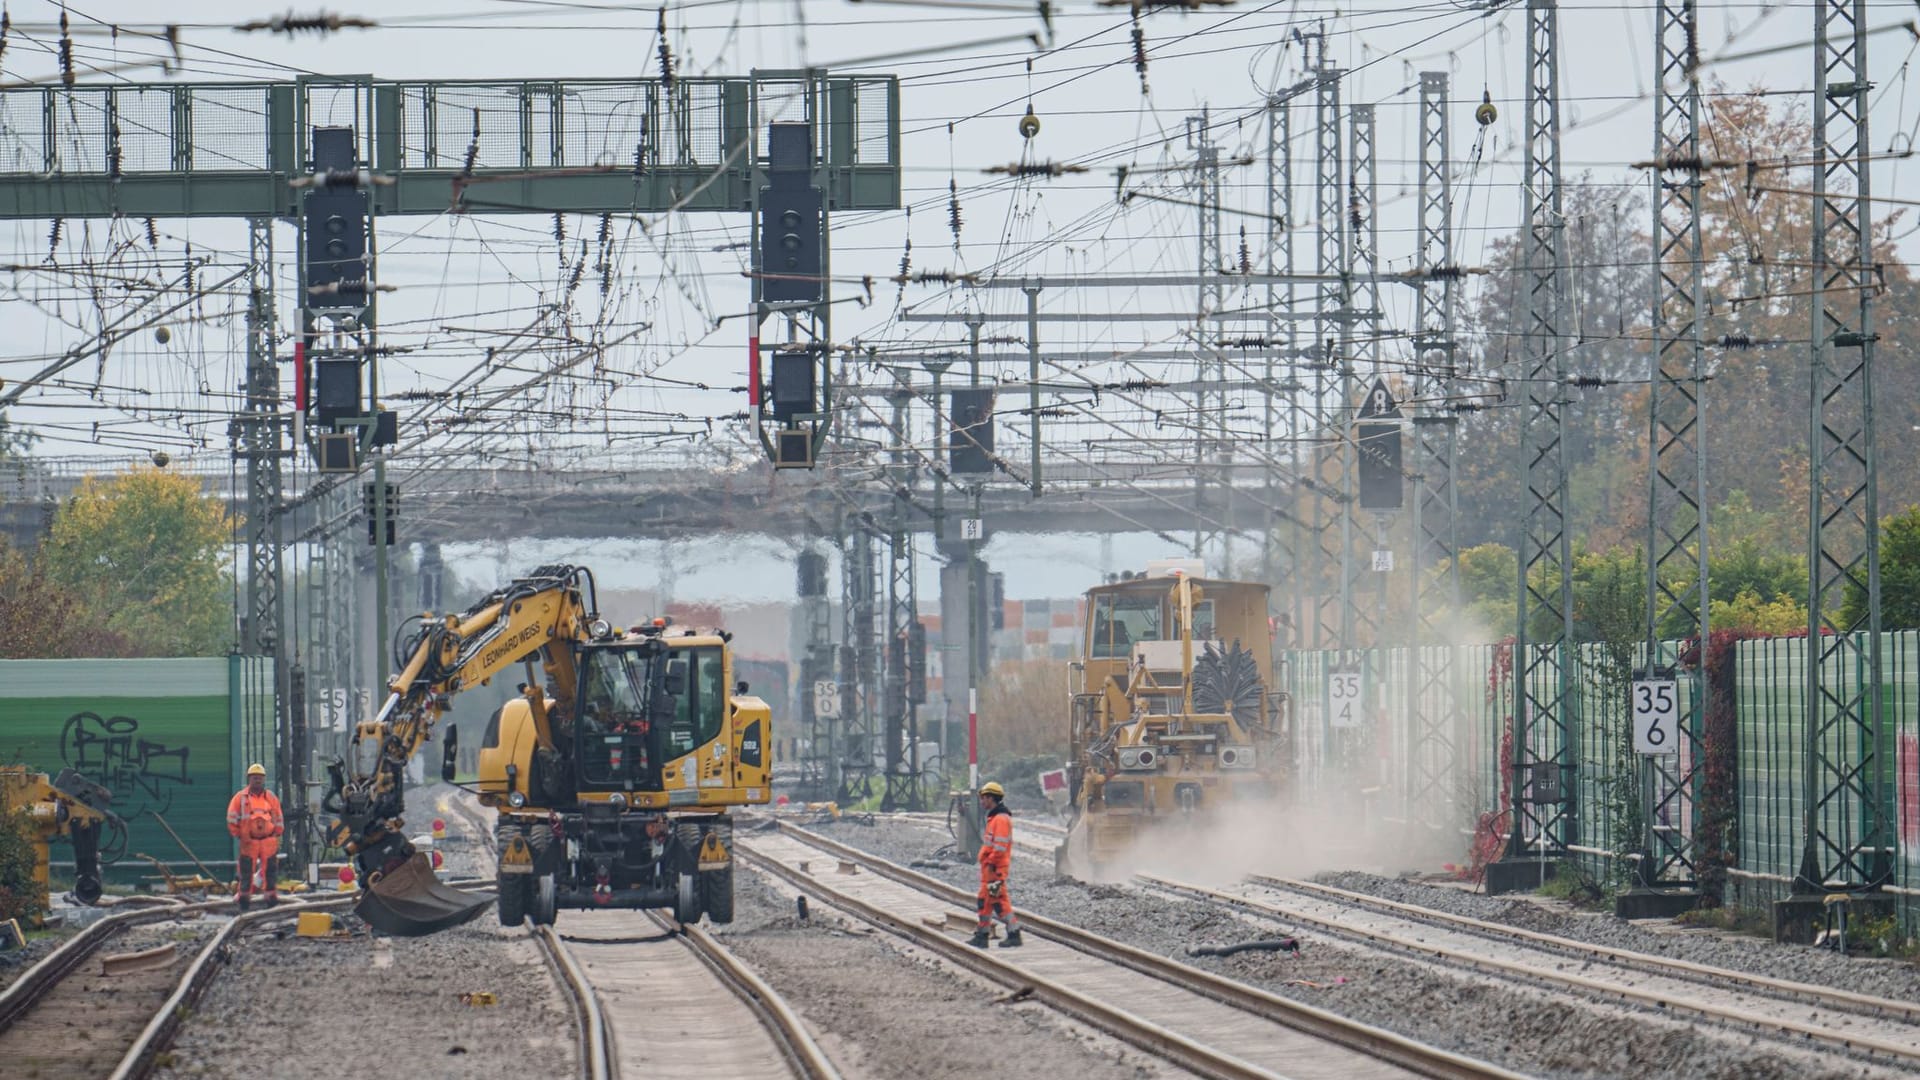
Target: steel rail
<point x="1825" y="996"/>
<point x="809" y="1061"/>
<point x="1151" y="1038"/>
<point x="596" y="1041"/>
<point x="1802" y="1033"/>
<point x="141" y="1057"/>
<point x="1376" y="1042"/>
<point x="21" y="995"/>
<point x="595" y="1054"/>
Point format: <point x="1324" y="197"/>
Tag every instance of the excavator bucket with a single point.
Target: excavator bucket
<point x="411" y="901"/>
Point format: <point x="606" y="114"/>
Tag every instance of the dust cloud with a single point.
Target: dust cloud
<point x="1345" y="808"/>
<point x="1221" y="846"/>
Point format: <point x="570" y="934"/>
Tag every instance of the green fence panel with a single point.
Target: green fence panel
<point x="1770" y="727"/>
<point x="155" y="732"/>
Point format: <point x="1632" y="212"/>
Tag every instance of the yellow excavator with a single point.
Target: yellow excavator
<point x="68" y="806"/>
<point x="1175" y="712"/>
<point x="612" y="772"/>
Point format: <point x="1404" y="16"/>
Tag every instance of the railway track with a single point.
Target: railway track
<point x="655" y="997"/>
<point x="1198" y="1021"/>
<point x="594" y="1039"/>
<point x="1803" y="1015"/>
<point x="679" y="1004"/>
<point x="128" y="1018"/>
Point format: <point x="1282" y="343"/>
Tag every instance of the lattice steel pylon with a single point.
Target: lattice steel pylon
<point x="1210" y="440"/>
<point x="1848" y="841"/>
<point x="1434" y="709"/>
<point x="1361" y="617"/>
<point x="819" y="760"/>
<point x="1332" y="303"/>
<point x="902" y="727"/>
<point x="1545" y="815"/>
<point x="1279" y="249"/>
<point x="260" y="437"/>
<point x="1676" y="544"/>
<point x="331" y="623"/>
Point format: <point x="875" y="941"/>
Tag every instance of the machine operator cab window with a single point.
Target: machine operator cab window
<point x="1119" y="621"/>
<point x="699" y="713"/>
<point x="612" y="730"/>
<point x="615" y="688"/>
<point x="1203" y="625"/>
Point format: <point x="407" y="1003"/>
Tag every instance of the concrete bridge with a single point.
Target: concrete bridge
<point x="656" y="499"/>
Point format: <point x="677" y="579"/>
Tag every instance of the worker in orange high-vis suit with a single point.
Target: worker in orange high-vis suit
<point x="254" y="819"/>
<point x="996" y="858"/>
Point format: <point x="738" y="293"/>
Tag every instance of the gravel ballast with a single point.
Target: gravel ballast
<point x="883" y="1009"/>
<point x="1522" y="1028"/>
<point x="305" y="1007"/>
<point x="1898" y="979"/>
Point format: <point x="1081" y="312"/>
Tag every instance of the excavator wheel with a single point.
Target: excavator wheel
<point x="546" y="902"/>
<point x="513" y="898"/>
<point x="716" y="894"/>
<point x="515" y="890"/>
<point x="690" y="903"/>
<point x="686" y="904"/>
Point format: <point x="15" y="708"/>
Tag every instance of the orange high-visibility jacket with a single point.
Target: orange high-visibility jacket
<point x="246" y="807"/>
<point x="996" y="848"/>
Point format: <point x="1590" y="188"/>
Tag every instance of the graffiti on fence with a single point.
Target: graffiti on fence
<point x="141" y="773"/>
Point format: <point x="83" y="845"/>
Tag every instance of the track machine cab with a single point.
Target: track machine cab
<point x="1174" y="713"/>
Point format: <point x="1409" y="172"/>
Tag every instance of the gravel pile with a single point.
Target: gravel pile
<point x="1524" y="1029"/>
<point x="882" y="1009"/>
<point x="1883" y="978"/>
<point x="303" y="1007"/>
<point x="15" y="962"/>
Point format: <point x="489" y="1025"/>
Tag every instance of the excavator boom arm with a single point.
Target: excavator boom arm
<point x="553" y="605"/>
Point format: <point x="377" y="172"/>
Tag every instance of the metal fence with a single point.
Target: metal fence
<point x="1360" y="719"/>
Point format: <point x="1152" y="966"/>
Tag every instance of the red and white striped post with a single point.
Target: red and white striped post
<point x="973" y="739"/>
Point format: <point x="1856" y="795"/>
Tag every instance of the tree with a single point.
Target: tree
<point x="1783" y="616"/>
<point x="1610" y="598"/>
<point x="14" y="441"/>
<point x="19" y="893"/>
<point x="1755" y="321"/>
<point x="147" y="552"/>
<point x="1607" y="312"/>
<point x="41" y="620"/>
<point x="1489" y="574"/>
<point x="1899" y="576"/>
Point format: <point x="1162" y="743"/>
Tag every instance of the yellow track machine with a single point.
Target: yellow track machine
<point x="1175" y="711"/>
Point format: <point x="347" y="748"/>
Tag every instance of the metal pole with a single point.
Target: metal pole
<point x="1542" y="724"/>
<point x="1210" y="299"/>
<point x="1033" y="382"/>
<point x="1846" y="836"/>
<point x="1433" y="711"/>
<point x="1279" y="247"/>
<point x="1362" y="534"/>
<point x="976" y="657"/>
<point x="260" y="437"/>
<point x="1676" y="535"/>
<point x="1330" y="306"/>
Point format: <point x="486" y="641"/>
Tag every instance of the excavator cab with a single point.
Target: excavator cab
<point x="612" y="776"/>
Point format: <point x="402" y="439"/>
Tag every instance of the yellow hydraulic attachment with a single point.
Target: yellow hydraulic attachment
<point x="69" y="807"/>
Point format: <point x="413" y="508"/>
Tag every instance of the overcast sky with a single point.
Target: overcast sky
<point x="466" y="282"/>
